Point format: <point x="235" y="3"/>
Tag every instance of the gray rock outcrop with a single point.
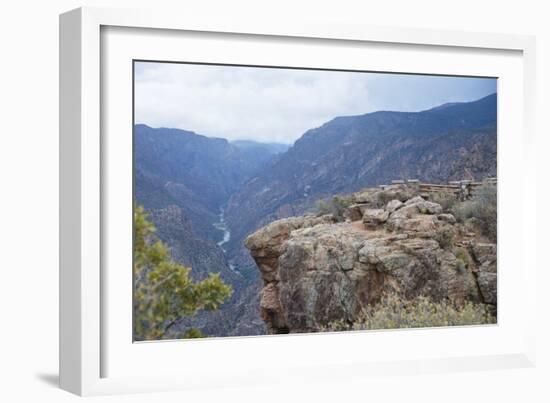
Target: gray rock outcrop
<point x="316" y="271"/>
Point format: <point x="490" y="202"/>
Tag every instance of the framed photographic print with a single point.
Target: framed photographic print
<point x="237" y="195"/>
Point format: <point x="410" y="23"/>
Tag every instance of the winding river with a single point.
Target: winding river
<point x="222" y="226"/>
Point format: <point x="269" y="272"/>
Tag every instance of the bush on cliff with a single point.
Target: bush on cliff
<point x="446" y="200"/>
<point x="336" y="206"/>
<point x="391" y="313"/>
<point x="444" y="237"/>
<point x="163" y="289"/>
<point x="483" y="208"/>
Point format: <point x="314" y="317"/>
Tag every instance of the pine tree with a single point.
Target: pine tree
<point x="163" y="289"/>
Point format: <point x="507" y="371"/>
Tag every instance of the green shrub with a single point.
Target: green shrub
<point x="383" y="197"/>
<point x="445" y="237"/>
<point x="483" y="207"/>
<point x="193" y="334"/>
<point x="462" y="259"/>
<point x="445" y="199"/>
<point x="323" y="207"/>
<point x="464" y="210"/>
<point x="460" y="266"/>
<point x="392" y="313"/>
<point x="336" y="206"/>
<point x="163" y="289"/>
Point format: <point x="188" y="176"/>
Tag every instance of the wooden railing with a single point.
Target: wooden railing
<point x="462" y="189"/>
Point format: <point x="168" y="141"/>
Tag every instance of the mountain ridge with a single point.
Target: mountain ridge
<point x="349" y="153"/>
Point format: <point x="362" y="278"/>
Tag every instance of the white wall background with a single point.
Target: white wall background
<point x="29" y="201"/>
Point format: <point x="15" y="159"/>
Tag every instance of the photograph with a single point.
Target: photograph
<point x="272" y="200"/>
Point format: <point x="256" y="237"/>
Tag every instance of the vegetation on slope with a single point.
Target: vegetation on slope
<point x="480" y="210"/>
<point x="393" y="313"/>
<point x="163" y="289"/>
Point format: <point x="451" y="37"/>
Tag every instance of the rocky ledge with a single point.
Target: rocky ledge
<point x="317" y="270"/>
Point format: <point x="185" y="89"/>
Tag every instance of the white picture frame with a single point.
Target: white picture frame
<point x="85" y="346"/>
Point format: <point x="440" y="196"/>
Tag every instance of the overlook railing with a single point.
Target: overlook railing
<point x="463" y="189"/>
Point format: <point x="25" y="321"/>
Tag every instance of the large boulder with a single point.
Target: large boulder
<point x="415" y="214"/>
<point x="448" y="218"/>
<point x="374" y="217"/>
<point x="393" y="205"/>
<point x="355" y="211"/>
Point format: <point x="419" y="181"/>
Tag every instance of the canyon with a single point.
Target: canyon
<point x="206" y="195"/>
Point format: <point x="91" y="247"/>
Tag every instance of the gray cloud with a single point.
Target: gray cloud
<point x="279" y="105"/>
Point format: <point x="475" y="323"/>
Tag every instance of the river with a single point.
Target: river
<point x="222" y="226"/>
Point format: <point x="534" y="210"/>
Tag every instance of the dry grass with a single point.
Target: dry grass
<point x="483" y="208"/>
<point x="391" y="313"/>
<point x="336" y="206"/>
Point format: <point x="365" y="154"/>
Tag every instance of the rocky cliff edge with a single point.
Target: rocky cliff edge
<point x="317" y="270"/>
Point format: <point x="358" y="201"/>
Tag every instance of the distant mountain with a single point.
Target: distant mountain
<point x="445" y="106"/>
<point x="194" y="172"/>
<point x="263" y="148"/>
<point x="348" y="153"/>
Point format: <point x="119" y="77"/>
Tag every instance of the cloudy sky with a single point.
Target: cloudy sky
<point x="279" y="105"/>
